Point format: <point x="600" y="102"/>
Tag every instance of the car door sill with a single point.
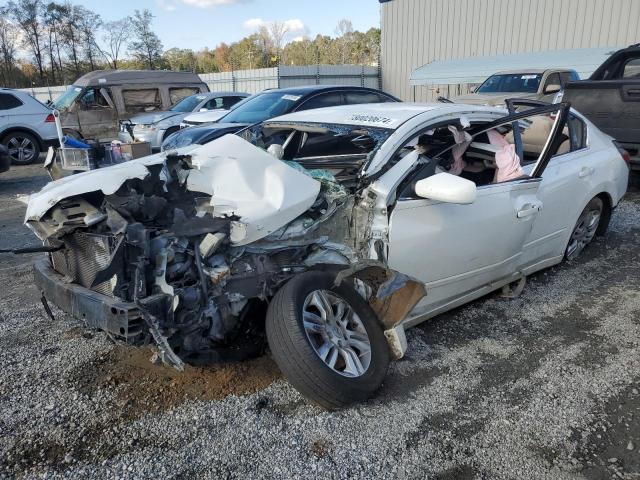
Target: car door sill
<point x="412" y="321"/>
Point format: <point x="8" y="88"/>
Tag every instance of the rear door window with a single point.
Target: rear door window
<point x="329" y="99"/>
<point x="8" y="101"/>
<point x="577" y="133"/>
<point x="145" y="100"/>
<point x="354" y="98"/>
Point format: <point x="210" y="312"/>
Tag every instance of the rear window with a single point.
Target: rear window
<point x="8" y="101"/>
<point x="146" y="100"/>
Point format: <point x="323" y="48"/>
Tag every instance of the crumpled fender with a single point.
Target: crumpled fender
<point x="395" y="294"/>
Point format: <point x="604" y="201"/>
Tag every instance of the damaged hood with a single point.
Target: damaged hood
<point x="154" y="117"/>
<point x="242" y="179"/>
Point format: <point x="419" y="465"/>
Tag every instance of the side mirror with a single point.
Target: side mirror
<point x="447" y="188"/>
<point x="552" y="88"/>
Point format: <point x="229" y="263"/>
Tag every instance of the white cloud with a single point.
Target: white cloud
<point x="294" y="25"/>
<point x="165" y="5"/>
<point x="254" y="23"/>
<point x="211" y="3"/>
<point x="298" y="39"/>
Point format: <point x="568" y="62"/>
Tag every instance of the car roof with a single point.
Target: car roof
<point x="224" y="94"/>
<point x="117" y="77"/>
<point x="386" y="115"/>
<point x="525" y="71"/>
<point x="308" y="89"/>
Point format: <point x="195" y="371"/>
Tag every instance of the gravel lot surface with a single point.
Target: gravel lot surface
<point x="544" y="386"/>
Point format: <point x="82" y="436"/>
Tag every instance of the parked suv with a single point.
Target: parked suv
<point x="26" y="126"/>
<point x="156" y="126"/>
<point x="531" y="83"/>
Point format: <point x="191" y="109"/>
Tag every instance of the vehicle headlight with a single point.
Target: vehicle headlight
<point x="164" y="124"/>
<point x="143" y="126"/>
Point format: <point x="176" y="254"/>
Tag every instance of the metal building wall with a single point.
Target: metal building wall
<point x="415" y="32"/>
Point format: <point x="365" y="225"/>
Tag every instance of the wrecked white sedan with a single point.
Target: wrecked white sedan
<point x="325" y="233"/>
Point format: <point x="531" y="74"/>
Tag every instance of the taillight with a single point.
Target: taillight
<point x="626" y="156"/>
<point x="50" y="118"/>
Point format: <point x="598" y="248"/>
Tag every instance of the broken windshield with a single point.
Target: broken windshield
<point x="67" y="98"/>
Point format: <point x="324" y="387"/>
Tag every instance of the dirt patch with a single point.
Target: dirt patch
<point x="142" y="386"/>
<point x="320" y="448"/>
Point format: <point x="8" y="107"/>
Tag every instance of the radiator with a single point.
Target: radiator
<point x="84" y="255"/>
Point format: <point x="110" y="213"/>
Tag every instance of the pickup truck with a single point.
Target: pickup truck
<point x="610" y="98"/>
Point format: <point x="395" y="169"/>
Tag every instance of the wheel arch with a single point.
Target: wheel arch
<point x="607" y="209"/>
<point x="26" y="130"/>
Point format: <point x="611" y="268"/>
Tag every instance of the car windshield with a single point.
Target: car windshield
<point x="512" y="82"/>
<point x="261" y="107"/>
<point x="67" y="98"/>
<point x="187" y="104"/>
<point x="184" y="137"/>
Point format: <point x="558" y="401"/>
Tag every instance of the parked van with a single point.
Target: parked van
<point x="93" y="105"/>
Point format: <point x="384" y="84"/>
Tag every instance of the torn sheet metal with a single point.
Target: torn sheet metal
<point x="396" y="294"/>
<point x="245" y="181"/>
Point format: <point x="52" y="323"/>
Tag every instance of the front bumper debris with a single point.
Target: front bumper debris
<point x="119" y="318"/>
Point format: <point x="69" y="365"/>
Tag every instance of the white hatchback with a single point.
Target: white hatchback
<point x="27" y="126"/>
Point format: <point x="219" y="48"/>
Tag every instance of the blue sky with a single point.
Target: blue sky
<point x="199" y="23"/>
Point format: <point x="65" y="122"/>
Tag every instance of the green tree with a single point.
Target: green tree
<point x="146" y="46"/>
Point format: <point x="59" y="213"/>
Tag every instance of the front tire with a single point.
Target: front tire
<point x="585" y="229"/>
<point x="326" y="340"/>
<point x="23" y="147"/>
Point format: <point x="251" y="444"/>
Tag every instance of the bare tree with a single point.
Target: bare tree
<point x="88" y="24"/>
<point x="146" y="46"/>
<point x="28" y="14"/>
<point x="278" y="31"/>
<point x="52" y="18"/>
<point x="72" y="36"/>
<point x="8" y="47"/>
<point x="344" y="32"/>
<point x="116" y="34"/>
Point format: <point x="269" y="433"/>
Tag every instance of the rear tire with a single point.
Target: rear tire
<point x="326" y="340"/>
<point x="586" y="228"/>
<point x="23" y="147"/>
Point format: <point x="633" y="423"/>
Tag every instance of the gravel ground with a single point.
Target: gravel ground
<point x="544" y="386"/>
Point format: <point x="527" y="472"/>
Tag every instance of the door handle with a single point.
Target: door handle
<point x="529" y="209"/>
<point x="585" y="172"/>
<point x="635" y="91"/>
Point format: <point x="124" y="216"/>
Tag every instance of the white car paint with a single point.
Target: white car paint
<point x="242" y="180"/>
<point x="459" y="251"/>
<point x="511" y="230"/>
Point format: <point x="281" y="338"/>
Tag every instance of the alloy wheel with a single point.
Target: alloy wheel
<point x="21" y="149"/>
<point x="584" y="232"/>
<point x="336" y="333"/>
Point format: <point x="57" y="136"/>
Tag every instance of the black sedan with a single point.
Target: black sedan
<point x="272" y="103"/>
